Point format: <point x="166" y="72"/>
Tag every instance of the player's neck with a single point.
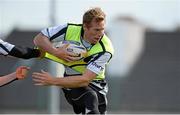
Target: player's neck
<point x="85" y="39"/>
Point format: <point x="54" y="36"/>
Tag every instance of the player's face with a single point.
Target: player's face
<point x="94" y="31"/>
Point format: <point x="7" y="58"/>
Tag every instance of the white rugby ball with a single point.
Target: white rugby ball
<point x="75" y="47"/>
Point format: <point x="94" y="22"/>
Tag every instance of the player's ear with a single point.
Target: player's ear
<point x="85" y="27"/>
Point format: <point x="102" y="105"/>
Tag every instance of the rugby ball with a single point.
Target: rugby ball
<point x="78" y="49"/>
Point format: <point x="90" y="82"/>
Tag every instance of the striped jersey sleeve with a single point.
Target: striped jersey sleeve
<point x="98" y="65"/>
<point x="5" y="47"/>
<point x="56" y="32"/>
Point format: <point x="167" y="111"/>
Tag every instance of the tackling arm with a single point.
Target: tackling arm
<point x="18" y="51"/>
<point x="20" y="73"/>
<point x="24" y="52"/>
<point x="7" y="79"/>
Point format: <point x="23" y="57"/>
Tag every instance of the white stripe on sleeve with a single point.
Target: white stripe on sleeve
<point x="49" y="32"/>
<point x="7" y="46"/>
<point x="98" y="65"/>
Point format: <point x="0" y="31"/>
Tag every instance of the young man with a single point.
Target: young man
<point x="84" y="82"/>
<point x="20" y="52"/>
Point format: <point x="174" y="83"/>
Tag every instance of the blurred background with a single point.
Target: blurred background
<point x="143" y="75"/>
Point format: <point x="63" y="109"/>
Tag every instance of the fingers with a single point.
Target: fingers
<point x="24" y="67"/>
<point x="65" y="46"/>
<point x="43" y="71"/>
<point x="38" y="78"/>
<point x="21" y="72"/>
<point x="72" y="57"/>
<point x="37" y="82"/>
<point x="73" y="54"/>
<point x="63" y="53"/>
<point x="42" y="78"/>
<point x="37" y="74"/>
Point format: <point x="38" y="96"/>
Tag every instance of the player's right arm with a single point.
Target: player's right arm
<point x="43" y="41"/>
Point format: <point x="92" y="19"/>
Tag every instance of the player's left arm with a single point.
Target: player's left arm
<point x="44" y="78"/>
<point x="94" y="68"/>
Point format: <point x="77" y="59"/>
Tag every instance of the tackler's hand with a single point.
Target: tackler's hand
<point x="21" y="72"/>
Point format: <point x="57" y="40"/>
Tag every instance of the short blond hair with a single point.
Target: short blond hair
<point x="93" y="13"/>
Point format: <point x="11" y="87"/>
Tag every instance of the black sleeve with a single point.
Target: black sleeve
<point x="24" y="52"/>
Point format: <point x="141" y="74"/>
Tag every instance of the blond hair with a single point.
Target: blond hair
<point x="93" y="13"/>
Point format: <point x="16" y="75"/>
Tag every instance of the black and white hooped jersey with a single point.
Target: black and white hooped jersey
<point x="5" y="47"/>
<point x="57" y="34"/>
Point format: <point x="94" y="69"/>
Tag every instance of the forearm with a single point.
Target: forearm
<point x="43" y="42"/>
<point x="7" y="79"/>
<point x="44" y="78"/>
<point x="71" y="82"/>
<point x="24" y="52"/>
<point x="75" y="81"/>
